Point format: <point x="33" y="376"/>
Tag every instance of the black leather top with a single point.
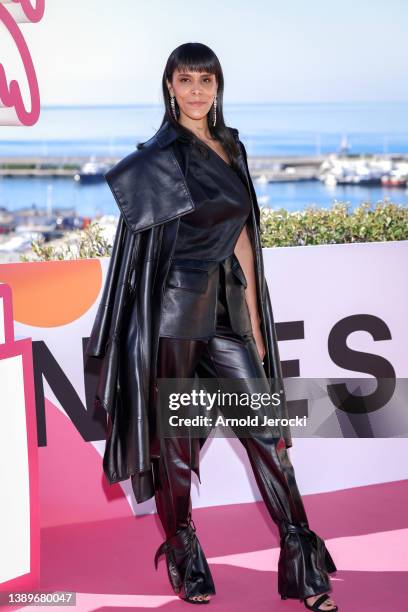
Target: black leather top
<point x="204" y="266"/>
<point x="222" y="204"/>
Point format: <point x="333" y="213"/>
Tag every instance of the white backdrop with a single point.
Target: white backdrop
<point x="321" y="285"/>
<point x="317" y="286"/>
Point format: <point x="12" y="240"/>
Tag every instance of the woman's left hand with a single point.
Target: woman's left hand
<point x="260" y="345"/>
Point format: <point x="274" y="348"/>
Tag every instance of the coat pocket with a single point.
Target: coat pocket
<point x="191" y="280"/>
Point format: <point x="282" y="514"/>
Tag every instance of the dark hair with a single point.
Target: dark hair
<point x="197" y="57"/>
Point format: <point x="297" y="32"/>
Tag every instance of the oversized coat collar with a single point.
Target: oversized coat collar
<point x="148" y="184"/>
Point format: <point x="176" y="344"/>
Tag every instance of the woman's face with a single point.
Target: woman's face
<point x="194" y="91"/>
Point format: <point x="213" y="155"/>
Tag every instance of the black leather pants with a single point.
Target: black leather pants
<point x="304" y="562"/>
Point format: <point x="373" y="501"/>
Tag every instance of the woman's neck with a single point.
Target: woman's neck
<point x="199" y="127"/>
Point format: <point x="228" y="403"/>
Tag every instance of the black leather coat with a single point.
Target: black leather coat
<point x="151" y="193"/>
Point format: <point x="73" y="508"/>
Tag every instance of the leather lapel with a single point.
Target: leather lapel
<point x="149" y="187"/>
<point x="148" y="184"/>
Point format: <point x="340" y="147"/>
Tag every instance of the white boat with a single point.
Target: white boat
<point x="330" y="180"/>
<point x="262" y="178"/>
<point x="92" y="171"/>
<point x="395" y="178"/>
<point x="351" y="172"/>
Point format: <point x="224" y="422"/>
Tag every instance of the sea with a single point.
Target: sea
<point x="281" y="129"/>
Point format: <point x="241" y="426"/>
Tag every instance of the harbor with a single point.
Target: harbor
<point x="335" y="168"/>
<point x="54" y="212"/>
<point x="57" y="228"/>
<point x="52" y="180"/>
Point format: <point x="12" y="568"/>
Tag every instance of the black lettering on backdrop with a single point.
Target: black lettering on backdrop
<point x="360" y="361"/>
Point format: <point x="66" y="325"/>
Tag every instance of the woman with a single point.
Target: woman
<point x="213" y="318"/>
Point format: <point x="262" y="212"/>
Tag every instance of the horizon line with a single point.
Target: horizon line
<point x="272" y="103"/>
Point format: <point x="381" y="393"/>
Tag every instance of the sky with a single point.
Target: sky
<point x="107" y="52"/>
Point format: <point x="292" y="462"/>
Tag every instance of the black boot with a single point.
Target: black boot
<point x="187" y="567"/>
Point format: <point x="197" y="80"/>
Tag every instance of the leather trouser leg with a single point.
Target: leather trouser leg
<point x="172" y="472"/>
<point x="304" y="562"/>
<point x="187" y="567"/>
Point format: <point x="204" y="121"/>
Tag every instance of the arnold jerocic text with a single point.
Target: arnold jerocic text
<point x="207" y="421"/>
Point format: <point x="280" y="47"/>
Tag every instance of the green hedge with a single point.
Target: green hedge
<point x="336" y="225"/>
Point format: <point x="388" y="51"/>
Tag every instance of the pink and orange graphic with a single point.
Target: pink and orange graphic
<point x="19" y="510"/>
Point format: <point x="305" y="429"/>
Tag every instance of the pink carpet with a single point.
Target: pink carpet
<point x="109" y="563"/>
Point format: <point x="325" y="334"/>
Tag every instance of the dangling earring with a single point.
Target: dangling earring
<point x="215" y="111"/>
<point x="173" y="106"/>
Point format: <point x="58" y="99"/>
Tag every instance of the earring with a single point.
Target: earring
<point x="215" y="111"/>
<point x="173" y="106"/>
